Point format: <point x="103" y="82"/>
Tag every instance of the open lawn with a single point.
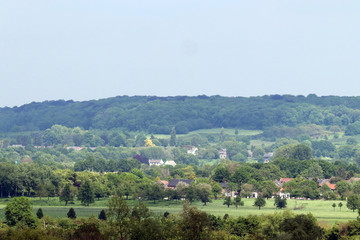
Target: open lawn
<point x="321" y="209"/>
<point x="228" y="131"/>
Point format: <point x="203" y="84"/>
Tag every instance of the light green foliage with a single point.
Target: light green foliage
<point x="216" y="189"/>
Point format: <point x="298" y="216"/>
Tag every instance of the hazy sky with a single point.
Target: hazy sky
<point x="87" y="49"/>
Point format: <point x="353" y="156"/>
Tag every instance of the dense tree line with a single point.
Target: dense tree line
<point x="160" y="114"/>
<point x="120" y="221"/>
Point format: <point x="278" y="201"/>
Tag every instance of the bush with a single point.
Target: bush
<point x="71" y="214"/>
<point x="39" y="213"/>
<point x="18" y="210"/>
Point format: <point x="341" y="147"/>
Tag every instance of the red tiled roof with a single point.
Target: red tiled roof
<point x="331" y="186"/>
<point x="284" y="180"/>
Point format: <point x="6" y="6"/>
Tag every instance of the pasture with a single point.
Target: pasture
<point x="227" y="131"/>
<point x="321" y="209"/>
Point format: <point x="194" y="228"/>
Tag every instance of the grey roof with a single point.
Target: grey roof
<point x="223" y="184"/>
<point x="175" y="182"/>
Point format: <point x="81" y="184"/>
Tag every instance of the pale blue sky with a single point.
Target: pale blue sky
<point x="87" y="49"/>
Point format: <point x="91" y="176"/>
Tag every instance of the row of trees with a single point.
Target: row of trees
<point x="121" y="221"/>
<point x="31" y="179"/>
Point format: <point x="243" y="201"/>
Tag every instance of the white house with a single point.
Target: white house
<point x="222" y="153"/>
<point x="172" y="163"/>
<point x="156" y="162"/>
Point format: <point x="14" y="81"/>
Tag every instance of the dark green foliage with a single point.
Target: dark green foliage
<point x="166" y="214"/>
<point x="322" y="148"/>
<point x="102" y="215"/>
<point x="259" y="202"/>
<point x="19" y="209"/>
<point x="353" y="202"/>
<point x="88" y="230"/>
<point x="86" y="194"/>
<point x="301" y="227"/>
<point x="195" y="224"/>
<point x="173" y="137"/>
<point x="66" y="194"/>
<point x="185" y="113"/>
<point x="301" y="152"/>
<point x="39" y="213"/>
<point x="203" y="194"/>
<point x="221" y="173"/>
<point x="237" y="201"/>
<point x="280" y="202"/>
<point x="302" y="188"/>
<point x="340" y="205"/>
<point x="154" y="192"/>
<point x="227" y="201"/>
<point x="353" y="129"/>
<point x="71" y="213"/>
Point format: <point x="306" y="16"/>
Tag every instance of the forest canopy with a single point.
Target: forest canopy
<point x="160" y="114"/>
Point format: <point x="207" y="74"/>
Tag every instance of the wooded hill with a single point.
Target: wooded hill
<point x="159" y="114"/>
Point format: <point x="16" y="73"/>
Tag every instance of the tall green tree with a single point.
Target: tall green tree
<point x="237" y="201"/>
<point x="86" y="194"/>
<point x="66" y="194"/>
<point x="227" y="201"/>
<point x="353" y="202"/>
<point x="280" y="202"/>
<point x="259" y="202"/>
<point x="118" y="216"/>
<point x="173" y="137"/>
<point x="216" y="189"/>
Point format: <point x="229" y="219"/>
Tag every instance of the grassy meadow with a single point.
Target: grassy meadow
<point x="228" y="131"/>
<point x="321" y="209"/>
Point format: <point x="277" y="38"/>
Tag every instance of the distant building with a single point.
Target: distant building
<point x="267" y="157"/>
<point x="156" y="162"/>
<point x="222" y="153"/>
<point x="75" y="148"/>
<point x="17" y="146"/>
<point x="174" y="182"/>
<point x="327" y="182"/>
<point x="191" y="150"/>
<point x="171" y="163"/>
<point x="284" y="195"/>
<point x="227" y="192"/>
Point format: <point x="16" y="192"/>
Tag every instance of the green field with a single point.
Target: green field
<point x="321" y="209"/>
<point x="228" y="131"/>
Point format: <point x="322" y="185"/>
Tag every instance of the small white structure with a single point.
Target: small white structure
<point x="192" y="150"/>
<point x="171" y="163"/>
<point x="284" y="195"/>
<point x="254" y="195"/>
<point x="222" y="153"/>
<point x="156" y="162"/>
